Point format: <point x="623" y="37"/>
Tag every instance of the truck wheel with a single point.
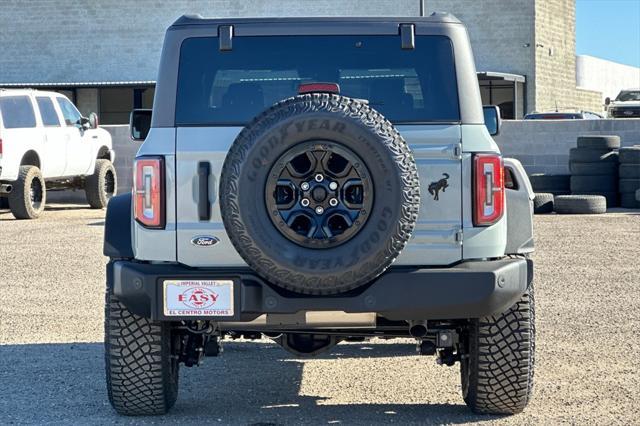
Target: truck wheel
<point x="497" y="375"/>
<point x="319" y="194"/>
<point x="101" y="185"/>
<point x="142" y="375"/>
<point x="29" y="193"/>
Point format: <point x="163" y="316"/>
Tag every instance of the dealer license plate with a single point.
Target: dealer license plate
<point x="198" y="298"/>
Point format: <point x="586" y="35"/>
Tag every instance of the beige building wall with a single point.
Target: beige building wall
<point x="555" y="59"/>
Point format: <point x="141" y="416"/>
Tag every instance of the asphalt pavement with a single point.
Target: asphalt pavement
<point x="587" y="350"/>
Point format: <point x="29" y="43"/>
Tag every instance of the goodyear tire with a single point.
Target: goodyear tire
<point x="543" y="203"/>
<point x="593" y="169"/>
<point x="497" y="374"/>
<point x="599" y="142"/>
<point x="580" y="204"/>
<point x="102" y="185"/>
<point x="142" y="375"/>
<point x="594" y="183"/>
<point x="629" y="171"/>
<point x="582" y="155"/>
<point x="300" y="136"/>
<point x="29" y="194"/>
<point x="630" y="155"/>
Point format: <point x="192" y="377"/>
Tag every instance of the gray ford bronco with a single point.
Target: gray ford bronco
<point x="314" y="180"/>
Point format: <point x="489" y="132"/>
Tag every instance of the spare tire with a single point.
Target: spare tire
<point x="593" y="169"/>
<point x="613" y="199"/>
<point x="541" y="182"/>
<point x="630" y="154"/>
<point x="319" y="194"/>
<point x="580" y="204"/>
<point x="594" y="183"/>
<point x="629" y="171"/>
<point x="599" y="142"/>
<point x="543" y="203"/>
<point x="582" y="155"/>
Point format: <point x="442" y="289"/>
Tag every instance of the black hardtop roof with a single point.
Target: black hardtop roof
<point x="198" y="20"/>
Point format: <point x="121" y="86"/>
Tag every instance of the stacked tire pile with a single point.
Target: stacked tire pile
<point x="546" y="188"/>
<point x="594" y="167"/>
<point x="629" y="173"/>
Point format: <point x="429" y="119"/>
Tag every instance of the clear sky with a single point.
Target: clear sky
<point x="609" y="29"/>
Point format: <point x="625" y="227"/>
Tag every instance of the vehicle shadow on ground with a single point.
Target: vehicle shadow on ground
<point x="252" y="383"/>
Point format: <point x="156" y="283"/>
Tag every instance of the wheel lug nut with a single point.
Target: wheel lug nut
<point x="304" y="202"/>
<point x="319" y="178"/>
<point x="333" y="202"/>
<point x="304" y="186"/>
<point x="319" y="210"/>
<point x="333" y="186"/>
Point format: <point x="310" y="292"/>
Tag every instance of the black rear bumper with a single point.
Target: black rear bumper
<point x="470" y="289"/>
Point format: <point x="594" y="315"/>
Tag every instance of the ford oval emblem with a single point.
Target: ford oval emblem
<point x="204" y="241"/>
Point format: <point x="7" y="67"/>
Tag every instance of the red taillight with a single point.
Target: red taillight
<point x="488" y="184"/>
<point x="148" y="187"/>
<point x="0" y="147"/>
<point x="319" y="88"/>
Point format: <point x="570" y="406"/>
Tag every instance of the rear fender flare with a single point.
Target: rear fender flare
<point x="117" y="228"/>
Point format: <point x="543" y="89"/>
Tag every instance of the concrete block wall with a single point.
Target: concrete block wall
<point x="59" y="41"/>
<point x="501" y="34"/>
<point x="543" y="146"/>
<point x="555" y="59"/>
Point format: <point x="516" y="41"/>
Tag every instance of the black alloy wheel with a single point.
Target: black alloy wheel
<point x="319" y="194"/>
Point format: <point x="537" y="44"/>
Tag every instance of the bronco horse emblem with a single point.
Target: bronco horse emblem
<point x="435" y="187"/>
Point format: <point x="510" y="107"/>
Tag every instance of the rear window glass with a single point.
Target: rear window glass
<point x="17" y="112"/>
<point x="47" y="111"/>
<point x="230" y="88"/>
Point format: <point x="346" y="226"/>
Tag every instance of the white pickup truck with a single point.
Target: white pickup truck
<point x="46" y="144"/>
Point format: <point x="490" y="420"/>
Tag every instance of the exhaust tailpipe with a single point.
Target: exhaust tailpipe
<point x="5" y="188"/>
<point x="418" y="329"/>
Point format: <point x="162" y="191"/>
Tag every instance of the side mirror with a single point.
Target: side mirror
<point x="492" y="119"/>
<point x="84" y="123"/>
<point x="139" y="124"/>
<point x="607" y="101"/>
<point x="93" y="120"/>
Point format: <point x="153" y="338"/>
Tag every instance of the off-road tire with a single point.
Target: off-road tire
<point x="497" y="375"/>
<point x="20" y="196"/>
<point x="630" y="155"/>
<point x="629" y="171"/>
<point x="583" y="155"/>
<point x="594" y="183"/>
<point x="580" y="204"/>
<point x="599" y="142"/>
<point x="593" y="169"/>
<point x="96" y="185"/>
<point x="389" y="223"/>
<point x="543" y="203"/>
<point x="142" y="376"/>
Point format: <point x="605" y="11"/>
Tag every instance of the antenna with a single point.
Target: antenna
<point x="422" y="11"/>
